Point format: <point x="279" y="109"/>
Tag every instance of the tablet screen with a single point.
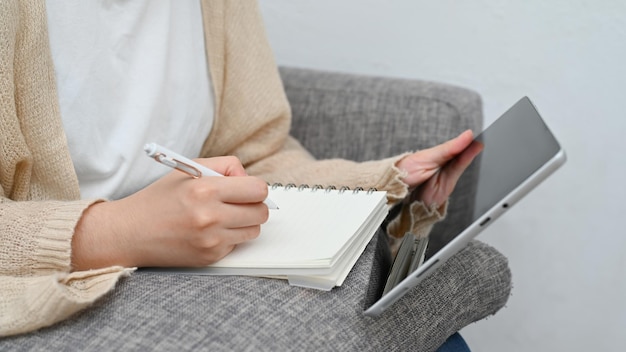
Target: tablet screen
<point x="515" y="146"/>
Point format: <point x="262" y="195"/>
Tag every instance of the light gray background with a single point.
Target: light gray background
<point x="566" y="241"/>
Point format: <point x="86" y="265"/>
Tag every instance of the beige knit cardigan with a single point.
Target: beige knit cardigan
<point x="40" y="202"/>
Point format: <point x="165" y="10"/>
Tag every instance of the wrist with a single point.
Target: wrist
<point x="100" y="238"/>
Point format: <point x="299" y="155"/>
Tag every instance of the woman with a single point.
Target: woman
<point x="75" y="212"/>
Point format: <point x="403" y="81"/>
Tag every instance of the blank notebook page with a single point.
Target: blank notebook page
<point x="309" y="229"/>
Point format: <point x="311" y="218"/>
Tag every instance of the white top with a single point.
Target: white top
<point x="128" y="73"/>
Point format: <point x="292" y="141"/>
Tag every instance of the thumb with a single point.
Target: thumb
<point x="442" y="153"/>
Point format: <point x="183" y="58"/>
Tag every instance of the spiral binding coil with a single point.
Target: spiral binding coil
<point x="316" y="188"/>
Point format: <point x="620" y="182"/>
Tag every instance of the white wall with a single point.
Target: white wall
<point x="566" y="241"/>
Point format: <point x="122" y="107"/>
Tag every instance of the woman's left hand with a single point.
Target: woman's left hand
<point x="432" y="170"/>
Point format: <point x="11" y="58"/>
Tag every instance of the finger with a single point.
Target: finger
<point x="225" y="165"/>
<point x="214" y="247"/>
<point x="244" y="215"/>
<point x="463" y="141"/>
<point x="241" y="190"/>
<point x="214" y="254"/>
<point x="444" y="152"/>
<point x="228" y="240"/>
<point x="469" y="154"/>
<point x="454" y="170"/>
<point x="465" y="159"/>
<point x="241" y="235"/>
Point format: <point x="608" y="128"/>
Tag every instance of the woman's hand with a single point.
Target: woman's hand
<point x="176" y="221"/>
<point x="432" y="171"/>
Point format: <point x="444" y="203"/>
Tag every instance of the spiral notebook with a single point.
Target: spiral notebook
<point x="313" y="239"/>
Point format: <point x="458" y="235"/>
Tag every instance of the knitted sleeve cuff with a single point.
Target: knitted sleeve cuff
<point x="37" y="235"/>
<point x="415" y="218"/>
<point x="32" y="302"/>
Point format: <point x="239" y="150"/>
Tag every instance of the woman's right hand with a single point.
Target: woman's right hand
<point x="176" y="221"/>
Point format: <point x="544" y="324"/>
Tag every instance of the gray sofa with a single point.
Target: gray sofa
<point x="335" y="115"/>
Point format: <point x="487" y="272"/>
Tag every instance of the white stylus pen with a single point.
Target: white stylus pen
<point x="186" y="165"/>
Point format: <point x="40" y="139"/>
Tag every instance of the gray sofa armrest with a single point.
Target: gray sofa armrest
<point x="360" y="118"/>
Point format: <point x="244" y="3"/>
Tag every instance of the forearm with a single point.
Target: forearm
<point x="293" y="164"/>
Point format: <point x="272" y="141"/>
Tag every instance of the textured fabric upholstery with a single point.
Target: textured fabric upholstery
<point x="334" y="116"/>
<point x="362" y="118"/>
<point x="159" y="312"/>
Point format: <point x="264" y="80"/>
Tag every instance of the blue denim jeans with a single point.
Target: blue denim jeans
<point x="454" y="343"/>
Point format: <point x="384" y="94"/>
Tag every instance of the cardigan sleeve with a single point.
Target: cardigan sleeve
<point x="293" y="164"/>
<point x="32" y="302"/>
<point x="39" y="197"/>
<point x="253" y="116"/>
<point x="36" y="287"/>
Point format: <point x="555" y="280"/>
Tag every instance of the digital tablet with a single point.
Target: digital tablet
<point x="518" y="153"/>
